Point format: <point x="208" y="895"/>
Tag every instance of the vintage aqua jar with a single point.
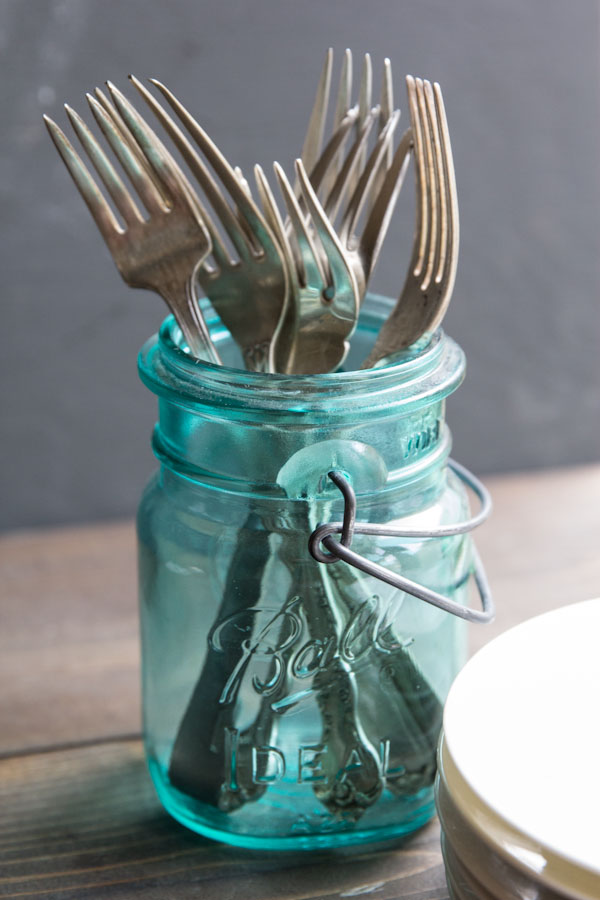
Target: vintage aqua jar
<point x="288" y="703"/>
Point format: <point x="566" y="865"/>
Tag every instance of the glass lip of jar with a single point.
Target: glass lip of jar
<point x="418" y="377"/>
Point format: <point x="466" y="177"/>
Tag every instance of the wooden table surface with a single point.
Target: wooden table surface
<point x="78" y="815"/>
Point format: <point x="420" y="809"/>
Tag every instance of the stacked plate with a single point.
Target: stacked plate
<point x="518" y="790"/>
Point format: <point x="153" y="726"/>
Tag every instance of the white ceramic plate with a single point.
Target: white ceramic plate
<point x="522" y="746"/>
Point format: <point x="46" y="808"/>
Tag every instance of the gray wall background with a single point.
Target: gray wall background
<point x="521" y="87"/>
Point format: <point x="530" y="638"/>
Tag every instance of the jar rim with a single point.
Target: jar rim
<point x="435" y="365"/>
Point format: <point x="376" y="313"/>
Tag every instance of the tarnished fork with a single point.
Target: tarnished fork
<point x="329" y="159"/>
<point x="160" y="253"/>
<point x="351" y="181"/>
<point x="327" y="268"/>
<point x="250" y="293"/>
<point x="377" y="192"/>
<point x="323" y="284"/>
<point x="325" y="293"/>
<point x="428" y="286"/>
<point x="333" y="172"/>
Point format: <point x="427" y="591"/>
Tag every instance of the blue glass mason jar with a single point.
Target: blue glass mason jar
<point x="288" y="703"/>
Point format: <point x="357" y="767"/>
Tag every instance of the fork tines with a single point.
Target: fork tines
<point x="432" y="268"/>
<point x="324" y="177"/>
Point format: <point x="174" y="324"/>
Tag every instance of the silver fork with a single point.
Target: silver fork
<point x="329" y="159"/>
<point x="160" y="253"/>
<point x="432" y="269"/>
<point x="312" y="303"/>
<point x="250" y="294"/>
<point x="326" y="297"/>
<point x="371" y="184"/>
<point x="323" y="290"/>
<point x="377" y="191"/>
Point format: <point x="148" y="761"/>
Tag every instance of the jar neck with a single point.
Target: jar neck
<point x="278" y="436"/>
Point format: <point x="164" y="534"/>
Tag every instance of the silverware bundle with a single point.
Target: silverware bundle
<point x="289" y="290"/>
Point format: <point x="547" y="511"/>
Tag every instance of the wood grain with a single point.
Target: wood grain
<point x="82" y="821"/>
<point x="68" y="635"/>
<point x="541" y="545"/>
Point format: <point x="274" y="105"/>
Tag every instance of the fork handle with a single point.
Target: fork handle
<point x="182" y="302"/>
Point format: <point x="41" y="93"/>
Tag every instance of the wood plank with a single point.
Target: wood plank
<point x="68" y="609"/>
<point x="85" y="823"/>
<point x="541" y="545"/>
<point x="68" y="636"/>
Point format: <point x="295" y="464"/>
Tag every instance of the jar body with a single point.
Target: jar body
<point x="288" y="703"/>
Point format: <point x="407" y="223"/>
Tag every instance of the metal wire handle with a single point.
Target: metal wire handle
<point x="340" y="550"/>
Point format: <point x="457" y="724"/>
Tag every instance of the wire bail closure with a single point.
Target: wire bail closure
<point x="341" y="550"/>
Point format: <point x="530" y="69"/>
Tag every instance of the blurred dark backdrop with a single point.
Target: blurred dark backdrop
<point x="521" y="86"/>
